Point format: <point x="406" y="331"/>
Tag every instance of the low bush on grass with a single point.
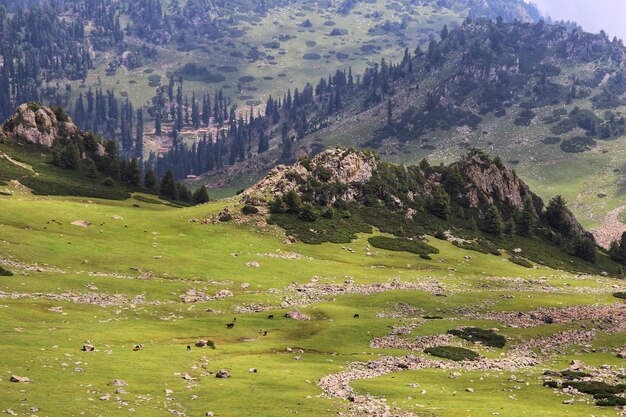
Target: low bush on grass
<point x="480" y="245"/>
<point x="339" y="229"/>
<point x="249" y="210"/>
<point x="575" y="374"/>
<point x="605" y="395"/>
<point x="478" y="335"/>
<point x="402" y="245"/>
<point x="578" y="144"/>
<point x="621" y="295"/>
<point x="453" y="353"/>
<point x="518" y="260"/>
<point x="5" y="272"/>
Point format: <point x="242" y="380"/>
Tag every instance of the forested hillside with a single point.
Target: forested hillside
<point x="118" y="67"/>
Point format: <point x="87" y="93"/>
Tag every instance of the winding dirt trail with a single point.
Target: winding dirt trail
<point x="611" y="229"/>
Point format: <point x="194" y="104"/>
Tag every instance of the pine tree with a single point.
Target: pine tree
<point x="286" y="142"/>
<point x="139" y="136"/>
<point x="556" y="215"/>
<point x="168" y="188"/>
<point x="617" y="251"/>
<point x="585" y="248"/>
<point x="201" y="196"/>
<point x="527" y="219"/>
<point x="149" y="180"/>
<point x="293" y="201"/>
<point x="134" y="173"/>
<point x="492" y="223"/>
<point x="439" y="203"/>
<point x="182" y="192"/>
<point x="195" y="111"/>
<point x="510" y="227"/>
<point x="444" y="32"/>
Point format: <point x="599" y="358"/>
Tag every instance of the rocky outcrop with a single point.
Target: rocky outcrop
<point x="489" y="181"/>
<point x="343" y="166"/>
<point x="40" y="125"/>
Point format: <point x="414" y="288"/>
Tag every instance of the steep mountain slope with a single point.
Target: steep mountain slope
<point x="119" y="53"/>
<point x="547" y="99"/>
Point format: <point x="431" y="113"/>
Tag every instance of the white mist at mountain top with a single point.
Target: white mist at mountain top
<point x="592" y="15"/>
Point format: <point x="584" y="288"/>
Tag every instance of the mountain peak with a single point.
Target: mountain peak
<point x="339" y="165"/>
<point x="37" y="124"/>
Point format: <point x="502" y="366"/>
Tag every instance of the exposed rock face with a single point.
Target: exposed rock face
<point x="333" y="166"/>
<point x="490" y="181"/>
<point x="39" y="124"/>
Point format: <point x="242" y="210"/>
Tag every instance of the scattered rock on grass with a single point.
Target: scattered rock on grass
<point x="222" y="374"/>
<point x="296" y="315"/>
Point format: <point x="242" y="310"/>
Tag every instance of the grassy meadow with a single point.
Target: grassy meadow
<point x="119" y="283"/>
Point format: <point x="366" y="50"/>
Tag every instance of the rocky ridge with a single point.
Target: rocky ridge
<point x="41" y="125"/>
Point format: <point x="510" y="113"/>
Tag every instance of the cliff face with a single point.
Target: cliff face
<point x="40" y="125"/>
<point x="493" y="182"/>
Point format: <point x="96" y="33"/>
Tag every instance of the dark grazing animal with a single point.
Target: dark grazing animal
<point x="356" y="316"/>
<point x="230" y="325"/>
<point x="271" y="316"/>
<point x="188" y="347"/>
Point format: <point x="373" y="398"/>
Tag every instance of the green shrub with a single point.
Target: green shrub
<point x="575" y="374"/>
<point x="210" y="344"/>
<point x="336" y="230"/>
<point x="432" y="317"/>
<point x="475" y="334"/>
<point x="518" y="260"/>
<point x="596" y="388"/>
<point x="5" y="272"/>
<point x="439" y="234"/>
<point x="453" y="353"/>
<point x="481" y="245"/>
<point x="621" y="295"/>
<point x="108" y="182"/>
<point x="324" y="174"/>
<point x="401" y="245"/>
<point x="328" y="213"/>
<point x="33" y="106"/>
<point x="307" y="213"/>
<point x="249" y="210"/>
<point x="611" y="401"/>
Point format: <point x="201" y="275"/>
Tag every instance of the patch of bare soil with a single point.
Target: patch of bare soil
<point x="612" y="228"/>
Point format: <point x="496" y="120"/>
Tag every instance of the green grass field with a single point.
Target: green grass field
<point x="119" y="282"/>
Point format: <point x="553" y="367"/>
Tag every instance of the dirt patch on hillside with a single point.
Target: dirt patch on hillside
<point x="611" y="229"/>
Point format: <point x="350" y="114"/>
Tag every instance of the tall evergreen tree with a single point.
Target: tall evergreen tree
<point x="201" y="196"/>
<point x="492" y="223"/>
<point x="139" y="135"/>
<point x="168" y="188"/>
<point x="527" y="219"/>
<point x="149" y="180"/>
